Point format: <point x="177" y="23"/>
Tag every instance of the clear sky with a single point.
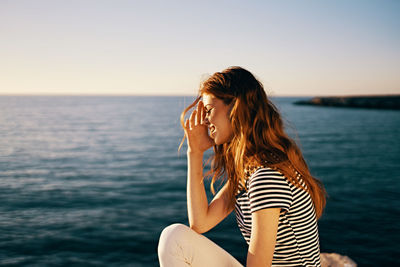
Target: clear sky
<point x="165" y="47"/>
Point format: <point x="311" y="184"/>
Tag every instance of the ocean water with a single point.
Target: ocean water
<point x="92" y="181"/>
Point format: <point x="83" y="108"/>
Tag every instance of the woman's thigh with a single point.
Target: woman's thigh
<point x="181" y="246"/>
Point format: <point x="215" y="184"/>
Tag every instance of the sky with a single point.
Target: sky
<point x="295" y="48"/>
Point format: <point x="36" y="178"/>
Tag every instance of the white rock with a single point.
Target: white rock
<point x="336" y="260"/>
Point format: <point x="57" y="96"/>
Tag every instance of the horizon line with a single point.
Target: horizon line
<point x="193" y="95"/>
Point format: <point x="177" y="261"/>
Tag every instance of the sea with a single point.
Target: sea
<point x="93" y="180"/>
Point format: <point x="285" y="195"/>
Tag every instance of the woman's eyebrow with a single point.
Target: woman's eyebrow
<point x="207" y="105"/>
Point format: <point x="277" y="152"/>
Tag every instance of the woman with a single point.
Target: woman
<point x="267" y="182"/>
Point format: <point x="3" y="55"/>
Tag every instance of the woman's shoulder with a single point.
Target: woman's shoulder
<point x="267" y="174"/>
<point x="263" y="172"/>
<point x="269" y="188"/>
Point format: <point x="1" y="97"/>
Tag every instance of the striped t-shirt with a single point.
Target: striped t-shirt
<point x="297" y="242"/>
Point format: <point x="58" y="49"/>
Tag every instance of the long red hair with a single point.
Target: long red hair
<point x="258" y="136"/>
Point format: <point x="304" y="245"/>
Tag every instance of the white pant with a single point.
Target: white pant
<point x="181" y="246"/>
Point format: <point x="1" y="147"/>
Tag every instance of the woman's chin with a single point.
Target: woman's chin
<point x="216" y="140"/>
<point x="220" y="140"/>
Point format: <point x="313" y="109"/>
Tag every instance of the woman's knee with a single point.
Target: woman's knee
<point x="172" y="235"/>
<point x="173" y="231"/>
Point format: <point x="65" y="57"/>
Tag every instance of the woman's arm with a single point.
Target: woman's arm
<point x="202" y="216"/>
<point x="263" y="237"/>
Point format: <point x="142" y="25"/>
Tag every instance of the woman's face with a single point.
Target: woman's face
<point x="217" y="119"/>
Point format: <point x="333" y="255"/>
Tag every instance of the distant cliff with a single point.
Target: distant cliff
<point x="375" y="102"/>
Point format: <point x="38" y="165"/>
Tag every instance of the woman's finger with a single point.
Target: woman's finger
<point x="198" y="114"/>
<point x="186" y="125"/>
<point x="192" y="119"/>
<point x="202" y="116"/>
<point x="202" y="113"/>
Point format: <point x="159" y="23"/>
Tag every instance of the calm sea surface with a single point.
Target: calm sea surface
<point x="92" y="181"/>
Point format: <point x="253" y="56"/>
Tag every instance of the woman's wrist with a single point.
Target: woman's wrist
<point x="191" y="152"/>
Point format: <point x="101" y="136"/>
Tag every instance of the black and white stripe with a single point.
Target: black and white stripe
<point x="297" y="242"/>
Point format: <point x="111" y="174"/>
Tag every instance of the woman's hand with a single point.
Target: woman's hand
<point x="196" y="131"/>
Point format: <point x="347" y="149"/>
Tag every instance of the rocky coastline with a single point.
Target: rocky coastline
<point x="370" y="101"/>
